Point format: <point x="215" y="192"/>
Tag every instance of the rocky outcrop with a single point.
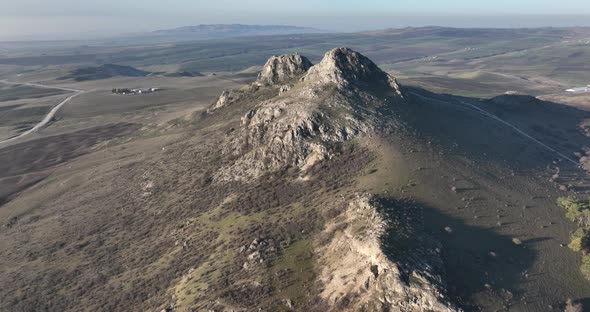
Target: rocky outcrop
<point x="286" y="134"/>
<point x="343" y="67"/>
<point x="284" y="89"/>
<point x="278" y="70"/>
<point x="283" y="68"/>
<point x="300" y="127"/>
<point x="358" y="276"/>
<point x="306" y="122"/>
<point x="226" y="98"/>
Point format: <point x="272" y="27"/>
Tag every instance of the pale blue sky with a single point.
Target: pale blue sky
<point x="67" y="18"/>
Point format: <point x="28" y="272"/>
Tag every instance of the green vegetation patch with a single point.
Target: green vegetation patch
<point x="294" y="271"/>
<point x="578" y="211"/>
<point x="579" y="240"/>
<point x="585" y="267"/>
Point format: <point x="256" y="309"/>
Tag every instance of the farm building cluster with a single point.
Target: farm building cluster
<point x="129" y="91"/>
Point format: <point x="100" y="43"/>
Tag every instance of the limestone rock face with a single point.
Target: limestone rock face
<point x="226" y="98"/>
<point x="280" y="69"/>
<point x="335" y="102"/>
<point x="355" y="269"/>
<point x="307" y="122"/>
<point x="284" y="89"/>
<point x="344" y="67"/>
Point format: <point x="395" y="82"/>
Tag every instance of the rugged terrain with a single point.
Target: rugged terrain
<point x="314" y="187"/>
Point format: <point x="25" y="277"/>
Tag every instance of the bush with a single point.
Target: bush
<point x="585" y="267"/>
<point x="579" y="241"/>
<point x="576" y="210"/>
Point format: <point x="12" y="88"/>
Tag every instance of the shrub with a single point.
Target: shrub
<point x="585" y="267"/>
<point x="578" y="237"/>
<point x="576" y="210"/>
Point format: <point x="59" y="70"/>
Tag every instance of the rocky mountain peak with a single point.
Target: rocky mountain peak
<point x="301" y="125"/>
<point x="282" y="68"/>
<point x="344" y="66"/>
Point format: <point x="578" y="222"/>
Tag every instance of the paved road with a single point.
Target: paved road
<point x="49" y="115"/>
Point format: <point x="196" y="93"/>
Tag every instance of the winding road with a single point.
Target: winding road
<point x="49" y="115"/>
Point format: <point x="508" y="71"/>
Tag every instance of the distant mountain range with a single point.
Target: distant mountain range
<point x="232" y="30"/>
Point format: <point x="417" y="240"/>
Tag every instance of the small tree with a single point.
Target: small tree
<point x="585" y="267"/>
<point x="580" y="241"/>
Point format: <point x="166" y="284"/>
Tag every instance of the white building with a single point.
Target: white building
<point x="579" y="89"/>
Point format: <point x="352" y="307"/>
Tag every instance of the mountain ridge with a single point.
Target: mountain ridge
<point x="227" y="30"/>
<point x="314" y="112"/>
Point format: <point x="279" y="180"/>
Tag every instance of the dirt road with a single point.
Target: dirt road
<point x="524" y="134"/>
<point x="49" y="115"/>
<point x="478" y="110"/>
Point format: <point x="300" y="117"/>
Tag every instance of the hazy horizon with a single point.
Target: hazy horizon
<point x="69" y="19"/>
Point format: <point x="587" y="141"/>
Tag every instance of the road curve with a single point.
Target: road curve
<point x="49" y="115"/>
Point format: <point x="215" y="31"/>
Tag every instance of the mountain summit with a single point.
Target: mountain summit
<point x="282" y="68"/>
<point x="340" y="68"/>
<point x="310" y="108"/>
<point x="303" y="116"/>
<point x="344" y="66"/>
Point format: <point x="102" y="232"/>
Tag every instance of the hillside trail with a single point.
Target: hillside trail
<point x="480" y="111"/>
<point x="524" y="134"/>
